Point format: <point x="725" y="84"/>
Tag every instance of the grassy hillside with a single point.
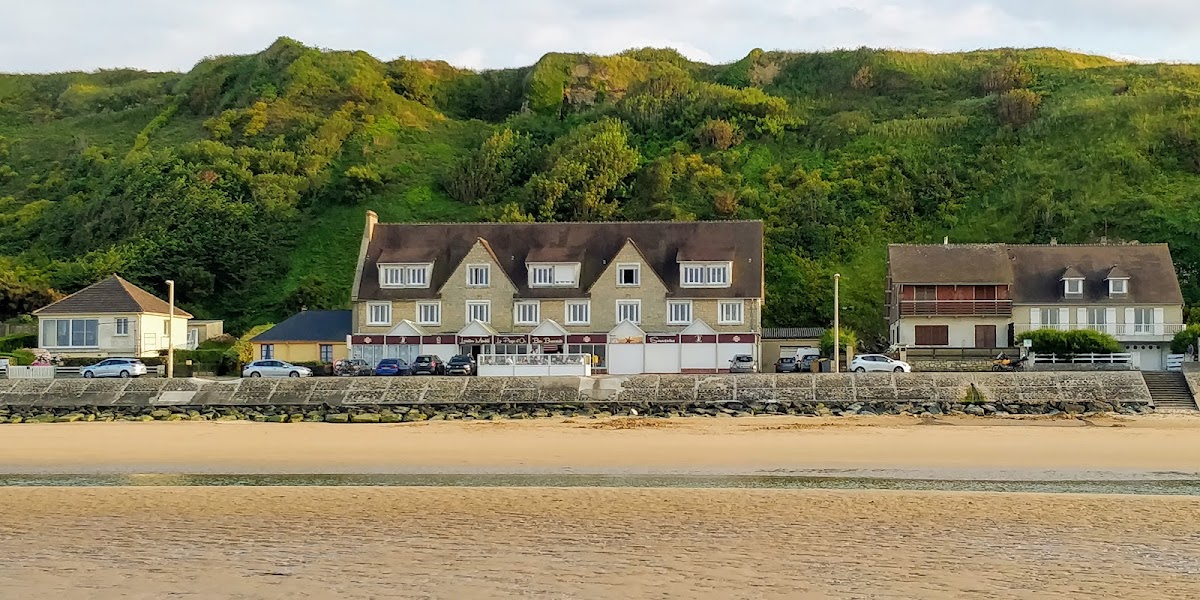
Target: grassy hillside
<point x="246" y="179"/>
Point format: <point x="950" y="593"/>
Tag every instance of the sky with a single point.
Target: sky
<point x="61" y="35"/>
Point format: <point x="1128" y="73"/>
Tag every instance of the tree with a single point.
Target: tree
<point x="1017" y="108"/>
<point x="719" y="134"/>
<point x="846" y="339"/>
<point x="586" y="170"/>
<point x="242" y="350"/>
<point x="487" y="174"/>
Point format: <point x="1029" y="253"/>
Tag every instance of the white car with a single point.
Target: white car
<point x="878" y="362"/>
<point x="115" y="367"/>
<point x="275" y="368"/>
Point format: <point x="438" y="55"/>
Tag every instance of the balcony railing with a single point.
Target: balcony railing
<point x="955" y="308"/>
<point x="1121" y="331"/>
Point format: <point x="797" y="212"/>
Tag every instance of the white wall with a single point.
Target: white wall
<point x="726" y="352"/>
<point x="698" y="356"/>
<point x="662" y="358"/>
<point x="961" y="329"/>
<point x="625" y="359"/>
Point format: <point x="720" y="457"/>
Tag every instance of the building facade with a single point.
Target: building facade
<point x="309" y="336"/>
<point x="635" y="297"/>
<point x="984" y="295"/>
<point x="111" y="318"/>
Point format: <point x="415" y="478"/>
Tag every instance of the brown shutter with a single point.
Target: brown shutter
<point x="932" y="335"/>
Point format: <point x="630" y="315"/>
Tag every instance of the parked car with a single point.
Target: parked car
<point x="429" y="364"/>
<point x="461" y="365"/>
<point x="787" y="364"/>
<point x="393" y="367"/>
<point x="878" y="362"/>
<point x="353" y="367"/>
<point x="806" y="363"/>
<point x="115" y="367"/>
<point x="743" y="363"/>
<point x="275" y="368"/>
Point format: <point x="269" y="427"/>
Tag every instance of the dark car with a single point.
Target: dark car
<point x="393" y="367"/>
<point x="429" y="364"/>
<point x="352" y="367"/>
<point x="461" y="365"/>
<point x="806" y="363"/>
<point x="787" y="364"/>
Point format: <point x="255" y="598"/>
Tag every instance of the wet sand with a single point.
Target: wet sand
<point x="76" y="543"/>
<point x="755" y="445"/>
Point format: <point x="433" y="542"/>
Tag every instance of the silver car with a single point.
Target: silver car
<point x="275" y="368"/>
<point x="115" y="367"/>
<point x="743" y="363"/>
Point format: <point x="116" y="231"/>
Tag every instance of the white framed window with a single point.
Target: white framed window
<point x="122" y="326"/>
<point x="731" y="312"/>
<point x="629" y="310"/>
<point x="404" y="276"/>
<point x="1143" y="320"/>
<point x="267" y="352"/>
<point x="70" y="333"/>
<point x="679" y="312"/>
<point x="379" y="313"/>
<point x="429" y="313"/>
<point x="579" y="312"/>
<point x="705" y="275"/>
<point x="479" y="310"/>
<point x="1074" y="286"/>
<point x="1118" y="286"/>
<point x="1097" y="318"/>
<point x="555" y="275"/>
<point x="527" y="313"/>
<point x="479" y="275"/>
<point x="629" y="275"/>
<point x="1050" y="318"/>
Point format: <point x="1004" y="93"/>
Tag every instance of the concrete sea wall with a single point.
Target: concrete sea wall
<point x="372" y="399"/>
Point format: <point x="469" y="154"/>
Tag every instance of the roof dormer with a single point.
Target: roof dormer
<point x="1072" y="282"/>
<point x="1118" y="281"/>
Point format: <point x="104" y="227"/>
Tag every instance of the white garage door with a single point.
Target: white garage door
<point x="662" y="358"/>
<point x="698" y="357"/>
<point x="625" y="359"/>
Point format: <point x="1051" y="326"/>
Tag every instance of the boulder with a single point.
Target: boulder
<point x="16" y="419"/>
<point x="1073" y="408"/>
<point x="416" y="415"/>
<point x="70" y="418"/>
<point x="295" y="418"/>
<point x="365" y="418"/>
<point x="976" y="410"/>
<point x="337" y="418"/>
<point x="160" y="414"/>
<point x="390" y="417"/>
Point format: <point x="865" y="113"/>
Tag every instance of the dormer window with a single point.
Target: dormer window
<point x="1073" y="287"/>
<point x="1118" y="287"/>
<point x="554" y="275"/>
<point x="705" y="275"/>
<point x="404" y="276"/>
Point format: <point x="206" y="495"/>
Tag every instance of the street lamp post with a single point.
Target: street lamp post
<point x="171" y="328"/>
<point x="837" y="332"/>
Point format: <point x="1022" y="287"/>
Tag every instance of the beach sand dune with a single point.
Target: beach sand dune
<point x="76" y="543"/>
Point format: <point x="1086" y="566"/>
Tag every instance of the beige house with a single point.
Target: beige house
<point x="111" y="318"/>
<point x="984" y="295"/>
<point x="608" y="290"/>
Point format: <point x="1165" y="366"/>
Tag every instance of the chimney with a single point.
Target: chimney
<point x="372" y="221"/>
<point x="1053" y="241"/>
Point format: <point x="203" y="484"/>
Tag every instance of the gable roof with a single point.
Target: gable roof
<point x="1035" y="272"/>
<point x="113" y="295"/>
<point x="310" y="326"/>
<point x="592" y="245"/>
<point x="1117" y="273"/>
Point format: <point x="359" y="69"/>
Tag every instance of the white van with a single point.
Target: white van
<point x="806" y="351"/>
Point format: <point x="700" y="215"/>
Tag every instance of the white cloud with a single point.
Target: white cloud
<point x="51" y="35"/>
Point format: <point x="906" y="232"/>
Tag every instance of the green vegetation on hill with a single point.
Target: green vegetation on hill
<point x="245" y="180"/>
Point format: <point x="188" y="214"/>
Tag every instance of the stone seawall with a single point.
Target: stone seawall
<point x="371" y="399"/>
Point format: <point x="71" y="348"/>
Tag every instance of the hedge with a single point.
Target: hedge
<point x="18" y="341"/>
<point x="1068" y="343"/>
<point x="1185" y="338"/>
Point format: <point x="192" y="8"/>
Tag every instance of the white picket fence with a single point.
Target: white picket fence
<point x="1094" y="359"/>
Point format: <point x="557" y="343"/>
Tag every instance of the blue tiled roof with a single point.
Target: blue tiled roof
<point x="311" y="326"/>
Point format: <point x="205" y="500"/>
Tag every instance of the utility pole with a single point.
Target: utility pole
<point x="837" y="332"/>
<point x="171" y="329"/>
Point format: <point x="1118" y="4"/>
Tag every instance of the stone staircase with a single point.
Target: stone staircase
<point x="1169" y="391"/>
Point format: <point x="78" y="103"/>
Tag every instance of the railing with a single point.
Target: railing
<point x="47" y="372"/>
<point x="534" y="365"/>
<point x="955" y="308"/>
<point x="1095" y="359"/>
<point x="1141" y="331"/>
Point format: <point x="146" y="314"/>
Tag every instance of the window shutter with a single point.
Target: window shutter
<point x="1035" y="318"/>
<point x="1130" y="322"/>
<point x="1064" y="318"/>
<point x="1159" y="317"/>
<point x="1082" y="321"/>
<point x="1110" y="320"/>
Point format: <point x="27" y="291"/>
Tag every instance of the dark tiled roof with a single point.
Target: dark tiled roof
<point x="1117" y="273"/>
<point x="311" y="326"/>
<point x="1071" y="273"/>
<point x="110" y="296"/>
<point x="949" y="263"/>
<point x="1039" y="269"/>
<point x="593" y="245"/>
<point x="792" y="333"/>
<point x="1036" y="271"/>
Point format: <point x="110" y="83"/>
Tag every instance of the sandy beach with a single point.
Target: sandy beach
<point x="66" y="543"/>
<point x="758" y="445"/>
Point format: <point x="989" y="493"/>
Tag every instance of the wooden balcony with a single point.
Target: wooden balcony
<point x="956" y="308"/>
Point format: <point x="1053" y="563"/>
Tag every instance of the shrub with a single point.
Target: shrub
<point x="846" y="339"/>
<point x="1185" y="338"/>
<point x="1068" y="343"/>
<point x="20" y="358"/>
<point x="725" y="203"/>
<point x="719" y="134"/>
<point x="1005" y="77"/>
<point x="1017" y="108"/>
<point x="18" y="341"/>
